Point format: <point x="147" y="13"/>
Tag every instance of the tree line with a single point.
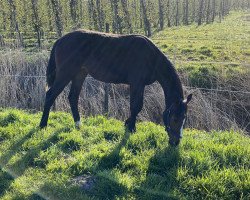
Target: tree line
<point x="20" y="17"/>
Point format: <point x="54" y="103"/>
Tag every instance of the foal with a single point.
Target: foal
<point x="127" y="59"/>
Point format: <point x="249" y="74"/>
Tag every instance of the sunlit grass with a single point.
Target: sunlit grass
<point x="37" y="164"/>
<point x="226" y="41"/>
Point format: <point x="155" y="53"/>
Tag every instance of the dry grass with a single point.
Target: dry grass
<point x="209" y="109"/>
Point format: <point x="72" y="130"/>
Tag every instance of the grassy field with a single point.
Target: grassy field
<point x="208" y="53"/>
<point x="221" y="41"/>
<point x="103" y="161"/>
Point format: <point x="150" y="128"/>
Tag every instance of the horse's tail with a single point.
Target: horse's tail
<point x="51" y="68"/>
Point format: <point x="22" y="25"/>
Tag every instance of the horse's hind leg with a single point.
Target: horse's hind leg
<point x="74" y="94"/>
<point x="136" y="103"/>
<point x="51" y="96"/>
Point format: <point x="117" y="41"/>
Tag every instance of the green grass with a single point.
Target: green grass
<point x="227" y="41"/>
<point x="218" y="51"/>
<point x="54" y="163"/>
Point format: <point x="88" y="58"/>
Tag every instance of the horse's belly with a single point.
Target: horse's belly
<point x="107" y="75"/>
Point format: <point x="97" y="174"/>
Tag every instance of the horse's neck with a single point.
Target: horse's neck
<point x="170" y="82"/>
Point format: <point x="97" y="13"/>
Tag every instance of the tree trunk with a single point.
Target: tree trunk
<point x="127" y="16"/>
<point x="36" y="21"/>
<point x="200" y="13"/>
<point x="161" y="15"/>
<point x="49" y="10"/>
<point x="177" y="13"/>
<point x="24" y="20"/>
<point x="185" y="12"/>
<point x="4" y="16"/>
<point x="81" y="14"/>
<point x="208" y="12"/>
<point x="14" y="22"/>
<point x="57" y="9"/>
<point x="147" y="26"/>
<point x="100" y="14"/>
<point x="116" y="18"/>
<point x="135" y="13"/>
<point x="168" y="13"/>
<point x="213" y="11"/>
<point x="73" y="12"/>
<point x="194" y="11"/>
<point x="92" y="15"/>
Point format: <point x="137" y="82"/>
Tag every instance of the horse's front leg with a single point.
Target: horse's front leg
<point x="136" y="103"/>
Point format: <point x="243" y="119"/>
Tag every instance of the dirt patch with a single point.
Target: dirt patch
<point x="85" y="182"/>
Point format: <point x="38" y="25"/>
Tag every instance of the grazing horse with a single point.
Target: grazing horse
<point x="127" y="59"/>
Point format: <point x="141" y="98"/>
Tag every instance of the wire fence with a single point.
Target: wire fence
<point x="89" y="77"/>
<point x="217" y="107"/>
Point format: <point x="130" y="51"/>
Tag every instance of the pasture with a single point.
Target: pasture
<point x="103" y="161"/>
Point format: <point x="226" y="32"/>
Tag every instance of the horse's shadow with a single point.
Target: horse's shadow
<point x="113" y="159"/>
<point x="6" y="181"/>
<point x="160" y="181"/>
<point x="161" y="178"/>
<point x="104" y="184"/>
<point x="26" y="160"/>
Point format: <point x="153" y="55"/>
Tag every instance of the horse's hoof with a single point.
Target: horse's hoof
<point x="132" y="130"/>
<point x="130" y="125"/>
<point x="78" y="124"/>
<point x="42" y="126"/>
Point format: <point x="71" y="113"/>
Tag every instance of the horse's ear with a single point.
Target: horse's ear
<point x="189" y="97"/>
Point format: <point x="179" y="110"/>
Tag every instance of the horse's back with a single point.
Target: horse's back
<point x="109" y="57"/>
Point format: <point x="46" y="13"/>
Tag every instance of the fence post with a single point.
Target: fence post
<point x="106" y="86"/>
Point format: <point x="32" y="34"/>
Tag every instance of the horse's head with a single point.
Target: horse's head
<point x="174" y="119"/>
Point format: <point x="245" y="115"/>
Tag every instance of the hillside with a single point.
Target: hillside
<point x="103" y="161"/>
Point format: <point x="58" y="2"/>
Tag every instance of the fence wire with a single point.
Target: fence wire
<point x="88" y="77"/>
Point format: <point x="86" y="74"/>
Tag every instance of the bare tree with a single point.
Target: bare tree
<point x="4" y="16"/>
<point x="57" y="9"/>
<point x="168" y="13"/>
<point x="200" y="14"/>
<point x="147" y="26"/>
<point x="177" y="13"/>
<point x="73" y="12"/>
<point x="36" y="21"/>
<point x="49" y="13"/>
<point x="161" y="15"/>
<point x="92" y="14"/>
<point x="193" y="18"/>
<point x="213" y="10"/>
<point x="13" y="20"/>
<point x="185" y="12"/>
<point x="208" y="12"/>
<point x="81" y="13"/>
<point x="100" y="15"/>
<point x="126" y="14"/>
<point x="116" y="25"/>
<point x="24" y="19"/>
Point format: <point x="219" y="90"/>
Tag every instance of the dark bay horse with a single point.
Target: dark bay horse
<point x="127" y="59"/>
